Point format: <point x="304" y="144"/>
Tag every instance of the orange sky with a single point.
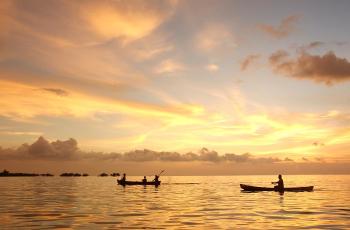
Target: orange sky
<point x="178" y="76"/>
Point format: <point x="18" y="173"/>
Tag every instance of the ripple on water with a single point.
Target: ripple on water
<point x="180" y="203"/>
<point x="298" y="212"/>
<point x="129" y="214"/>
<point x="107" y="222"/>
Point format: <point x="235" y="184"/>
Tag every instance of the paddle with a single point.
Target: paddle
<point x="161" y="172"/>
<point x="156" y="174"/>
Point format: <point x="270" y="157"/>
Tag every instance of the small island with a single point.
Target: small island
<point x="71" y="175"/>
<point x="115" y="174"/>
<point x="103" y="174"/>
<point x="46" y="174"/>
<point x="6" y="173"/>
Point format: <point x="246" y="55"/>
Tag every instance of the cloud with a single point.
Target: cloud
<point x="310" y="46"/>
<point x="247" y="157"/>
<point x="341" y="43"/>
<point x="42" y="149"/>
<point x="59" y="92"/>
<point x="56" y="150"/>
<point x="168" y="66"/>
<point x="203" y="154"/>
<point x="283" y="30"/>
<point x="145" y="51"/>
<point x="72" y="52"/>
<point x="20" y="133"/>
<point x="126" y="19"/>
<point x="215" y="38"/>
<point x="86" y="23"/>
<point x="238" y="158"/>
<point x="212" y="67"/>
<point x="327" y="69"/>
<point x="315" y="44"/>
<point x="26" y="101"/>
<point x="248" y="61"/>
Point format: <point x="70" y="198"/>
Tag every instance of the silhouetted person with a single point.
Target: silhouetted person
<point x="280" y="184"/>
<point x="156" y="179"/>
<point x="144" y="180"/>
<point x="123" y="178"/>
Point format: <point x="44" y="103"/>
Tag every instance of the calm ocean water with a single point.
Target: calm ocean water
<point x="179" y="203"/>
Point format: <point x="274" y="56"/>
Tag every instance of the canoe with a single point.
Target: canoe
<point x="120" y="182"/>
<point x="292" y="189"/>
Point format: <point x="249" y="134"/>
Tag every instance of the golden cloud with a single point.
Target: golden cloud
<point x="128" y="20"/>
<point x="26" y="101"/>
<point x="79" y="24"/>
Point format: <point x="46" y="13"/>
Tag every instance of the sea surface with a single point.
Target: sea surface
<point x="181" y="202"/>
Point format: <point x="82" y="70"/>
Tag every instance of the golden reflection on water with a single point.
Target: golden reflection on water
<point x="180" y="202"/>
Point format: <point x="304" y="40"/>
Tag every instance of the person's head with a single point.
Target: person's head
<point x="124" y="174"/>
<point x="144" y="177"/>
<point x="280" y="176"/>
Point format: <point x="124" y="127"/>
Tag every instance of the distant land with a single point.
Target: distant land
<point x="6" y="173"/>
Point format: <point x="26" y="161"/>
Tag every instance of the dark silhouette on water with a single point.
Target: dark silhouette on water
<point x="123" y="178"/>
<point x="156" y="182"/>
<point x="115" y="174"/>
<point x="144" y="180"/>
<point x="70" y="175"/>
<point x="103" y="174"/>
<point x="156" y="178"/>
<point x="278" y="188"/>
<point x="6" y="173"/>
<point x="249" y="188"/>
<point x="280" y="184"/>
<point x="46" y="174"/>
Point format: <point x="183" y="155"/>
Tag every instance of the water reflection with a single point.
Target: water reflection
<point x="180" y="202"/>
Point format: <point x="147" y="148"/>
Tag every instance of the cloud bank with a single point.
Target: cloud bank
<point x="42" y="149"/>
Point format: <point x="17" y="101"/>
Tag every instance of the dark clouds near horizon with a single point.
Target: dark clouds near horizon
<point x="42" y="149"/>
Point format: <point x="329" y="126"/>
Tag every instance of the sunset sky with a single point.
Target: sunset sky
<point x="260" y="79"/>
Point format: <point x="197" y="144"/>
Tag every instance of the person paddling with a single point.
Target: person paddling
<point x="280" y="184"/>
<point x="156" y="179"/>
<point x="123" y="178"/>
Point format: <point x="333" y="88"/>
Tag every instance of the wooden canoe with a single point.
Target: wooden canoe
<point x="291" y="189"/>
<point x="120" y="182"/>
